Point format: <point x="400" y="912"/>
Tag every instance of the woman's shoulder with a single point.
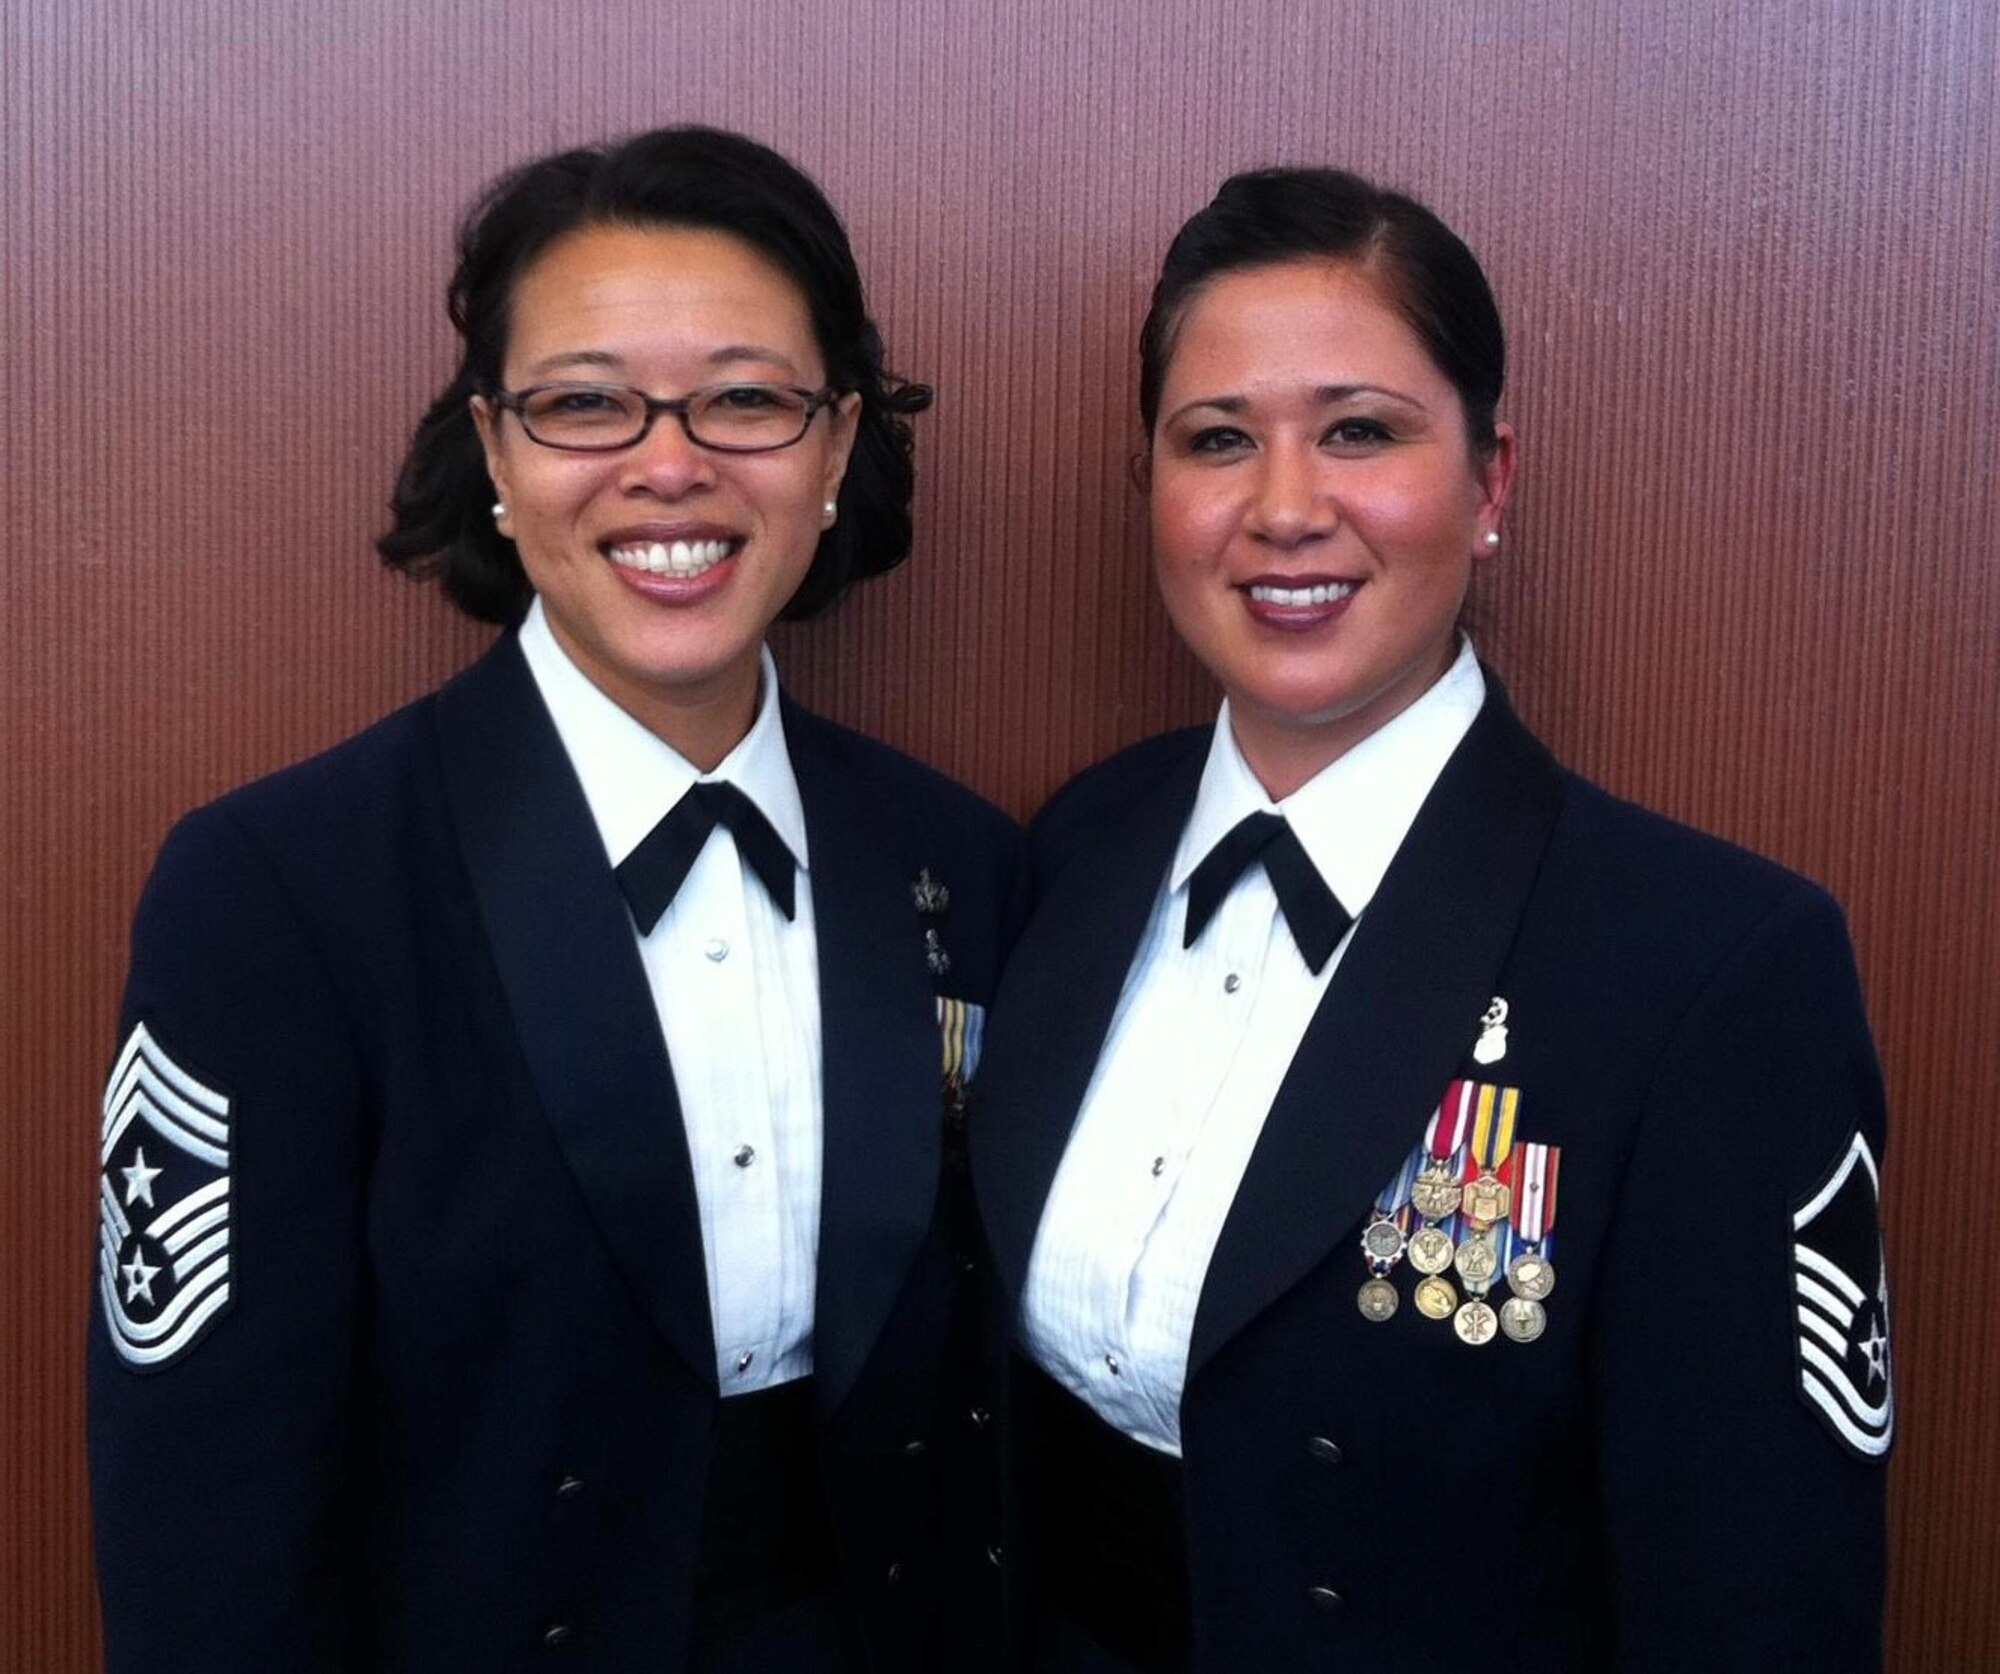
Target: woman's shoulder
<point x="1624" y="844"/>
<point x="1107" y="790"/>
<point x="340" y="781"/>
<point x="327" y="814"/>
<point x="867" y="769"/>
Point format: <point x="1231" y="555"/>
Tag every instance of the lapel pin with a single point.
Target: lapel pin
<point x="1491" y="1046"/>
<point x="930" y="896"/>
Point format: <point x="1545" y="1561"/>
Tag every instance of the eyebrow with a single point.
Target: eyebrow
<point x="1326" y="395"/>
<point x="752" y="351"/>
<point x="604" y="360"/>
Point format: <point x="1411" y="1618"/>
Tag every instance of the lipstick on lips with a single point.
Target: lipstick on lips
<point x="676" y="562"/>
<point x="1296" y="603"/>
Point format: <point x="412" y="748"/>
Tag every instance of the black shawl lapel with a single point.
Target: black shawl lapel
<point x="1394" y="1026"/>
<point x="1055" y="1006"/>
<point x="882" y="1060"/>
<point x="562" y="938"/>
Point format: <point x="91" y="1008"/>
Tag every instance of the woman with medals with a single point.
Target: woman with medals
<point x="1432" y="1202"/>
<point x="526" y="1232"/>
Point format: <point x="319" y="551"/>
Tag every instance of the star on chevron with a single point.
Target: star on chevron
<point x="1876" y="1347"/>
<point x="139" y="1179"/>
<point x="138" y="1277"/>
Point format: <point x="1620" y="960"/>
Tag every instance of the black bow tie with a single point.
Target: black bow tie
<point x="652" y="872"/>
<point x="1316" y="917"/>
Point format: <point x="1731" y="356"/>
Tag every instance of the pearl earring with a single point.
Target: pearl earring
<point x="830" y="511"/>
<point x="499" y="510"/>
<point x="1492" y="539"/>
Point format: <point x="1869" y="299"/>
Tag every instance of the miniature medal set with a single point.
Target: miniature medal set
<point x="1468" y="1205"/>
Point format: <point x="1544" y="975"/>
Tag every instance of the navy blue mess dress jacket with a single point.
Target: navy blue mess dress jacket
<point x="1684" y="1472"/>
<point x="402" y="1357"/>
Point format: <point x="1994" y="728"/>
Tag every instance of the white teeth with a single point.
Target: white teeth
<point x="1293" y="598"/>
<point x="679" y="558"/>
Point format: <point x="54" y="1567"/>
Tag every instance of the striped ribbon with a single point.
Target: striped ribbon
<point x="1534" y="1216"/>
<point x="1493" y="1124"/>
<point x="962" y="1025"/>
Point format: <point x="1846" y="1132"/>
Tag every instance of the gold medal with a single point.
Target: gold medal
<point x="1435" y="1298"/>
<point x="1487" y="1199"/>
<point x="1531" y="1276"/>
<point x="1430" y="1249"/>
<point x="1477" y="1261"/>
<point x="1378" y="1299"/>
<point x="1487" y="1194"/>
<point x="1523" y="1318"/>
<point x="1475" y="1323"/>
<point x="1435" y="1193"/>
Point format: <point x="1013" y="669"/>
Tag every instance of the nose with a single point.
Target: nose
<point x="665" y="462"/>
<point x="1289" y="504"/>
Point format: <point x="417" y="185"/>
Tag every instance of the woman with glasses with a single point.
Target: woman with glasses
<point x="526" y="1220"/>
<point x="1435" y="1201"/>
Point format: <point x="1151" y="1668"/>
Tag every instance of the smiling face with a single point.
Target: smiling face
<point x="660" y="566"/>
<point x="1316" y="508"/>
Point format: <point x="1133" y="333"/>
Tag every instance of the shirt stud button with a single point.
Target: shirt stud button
<point x="1159" y="1167"/>
<point x="1111" y="1361"/>
<point x="717" y="949"/>
<point x="1231" y="983"/>
<point x="744" y="1359"/>
<point x="745" y="1155"/>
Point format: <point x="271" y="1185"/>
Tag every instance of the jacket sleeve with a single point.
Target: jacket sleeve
<point x="226" y="1278"/>
<point x="1741" y="1359"/>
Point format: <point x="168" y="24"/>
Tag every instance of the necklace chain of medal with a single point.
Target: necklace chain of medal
<point x="1485" y="1211"/>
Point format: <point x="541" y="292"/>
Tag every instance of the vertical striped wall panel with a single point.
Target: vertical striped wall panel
<point x="1750" y="257"/>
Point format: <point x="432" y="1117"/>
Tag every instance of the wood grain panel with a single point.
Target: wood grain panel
<point x="1747" y="253"/>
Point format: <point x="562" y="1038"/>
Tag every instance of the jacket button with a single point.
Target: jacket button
<point x="913" y="1448"/>
<point x="995" y="1556"/>
<point x="894" y="1574"/>
<point x="1325" y="1451"/>
<point x="557" y="1635"/>
<point x="569" y="1487"/>
<point x="1326" y="1598"/>
<point x="980" y="1418"/>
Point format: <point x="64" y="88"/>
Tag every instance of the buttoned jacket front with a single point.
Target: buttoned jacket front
<point x="456" y="1412"/>
<point x="1641" y="1488"/>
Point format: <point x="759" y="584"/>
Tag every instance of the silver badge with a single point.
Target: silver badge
<point x="163" y="1200"/>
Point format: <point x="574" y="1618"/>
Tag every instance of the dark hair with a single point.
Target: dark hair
<point x="1268" y="216"/>
<point x="687" y="177"/>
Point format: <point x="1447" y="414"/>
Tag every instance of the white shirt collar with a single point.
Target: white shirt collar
<point x="631" y="776"/>
<point x="1354" y="813"/>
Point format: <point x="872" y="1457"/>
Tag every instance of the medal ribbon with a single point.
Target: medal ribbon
<point x="1493" y="1124"/>
<point x="1534" y="1214"/>
<point x="1396" y="1194"/>
<point x="1450" y="1120"/>
<point x="961" y="1026"/>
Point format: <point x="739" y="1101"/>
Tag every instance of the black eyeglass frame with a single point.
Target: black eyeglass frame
<point x="681" y="406"/>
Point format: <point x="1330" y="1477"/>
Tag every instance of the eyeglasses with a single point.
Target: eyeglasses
<point x="600" y="418"/>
